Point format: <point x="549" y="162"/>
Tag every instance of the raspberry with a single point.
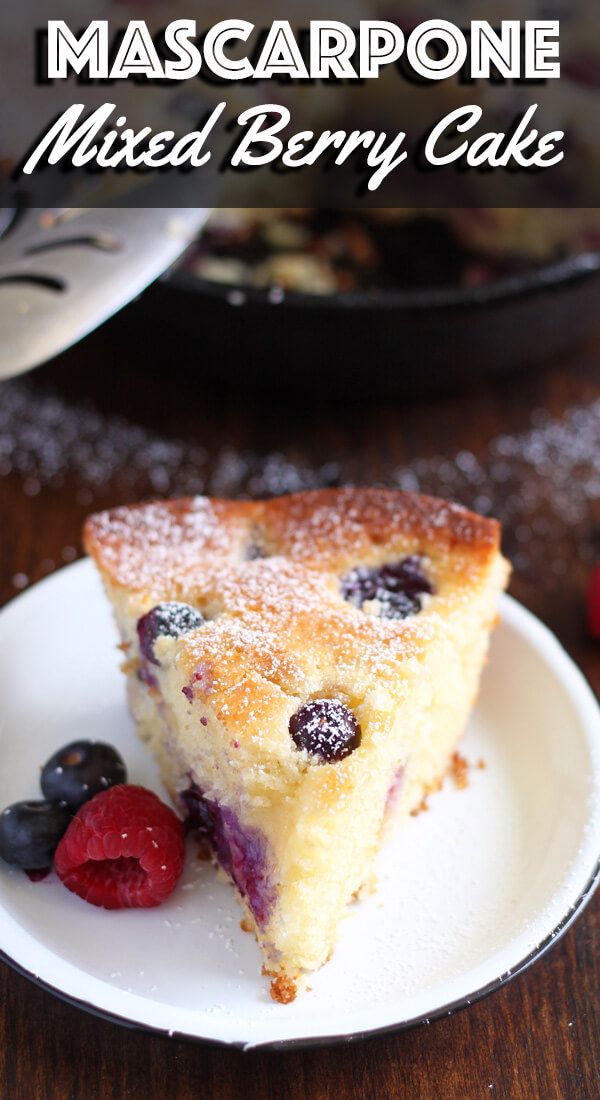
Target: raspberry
<point x="593" y="603"/>
<point x="123" y="849"/>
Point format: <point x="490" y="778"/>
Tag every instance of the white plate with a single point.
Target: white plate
<point x="469" y="893"/>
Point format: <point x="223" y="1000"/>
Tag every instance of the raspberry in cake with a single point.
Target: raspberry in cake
<point x="302" y="700"/>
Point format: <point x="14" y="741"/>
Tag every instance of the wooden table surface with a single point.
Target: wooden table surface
<point x="537" y="1038"/>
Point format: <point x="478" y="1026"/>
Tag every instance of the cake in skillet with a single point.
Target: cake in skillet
<point x="302" y="668"/>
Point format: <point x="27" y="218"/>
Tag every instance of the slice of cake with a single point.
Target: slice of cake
<point x="302" y="669"/>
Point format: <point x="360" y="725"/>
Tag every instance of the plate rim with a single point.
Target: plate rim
<point x="315" y="1041"/>
<point x="579" y="691"/>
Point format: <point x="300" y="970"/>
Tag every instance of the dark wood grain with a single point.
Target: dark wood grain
<point x="539" y="1037"/>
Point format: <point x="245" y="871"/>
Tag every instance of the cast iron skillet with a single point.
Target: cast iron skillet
<point x="370" y="343"/>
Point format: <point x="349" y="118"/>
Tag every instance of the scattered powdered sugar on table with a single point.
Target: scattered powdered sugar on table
<point x="543" y="483"/>
<point x="46" y="439"/>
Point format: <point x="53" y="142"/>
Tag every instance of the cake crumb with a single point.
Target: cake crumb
<point x="283" y="990"/>
<point x="245" y="925"/>
<point x="204" y="850"/>
<point x="459" y="771"/>
<point x="481" y="764"/>
<point x="421" y="808"/>
<point x="428" y="790"/>
<point x="366" y="889"/>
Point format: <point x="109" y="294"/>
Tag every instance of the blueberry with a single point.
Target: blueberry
<point x="196" y="810"/>
<point x="255" y="552"/>
<point x="397" y="586"/>
<point x="79" y="771"/>
<point x="326" y="729"/>
<point x="172" y="619"/>
<point x="396" y="605"/>
<point x="30" y="832"/>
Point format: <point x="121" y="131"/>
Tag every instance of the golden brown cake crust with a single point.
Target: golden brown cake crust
<point x="145" y="547"/>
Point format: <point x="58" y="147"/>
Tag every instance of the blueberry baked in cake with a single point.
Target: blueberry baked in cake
<point x="302" y="668"/>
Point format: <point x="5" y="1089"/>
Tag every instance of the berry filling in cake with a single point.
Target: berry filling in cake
<point x="241" y="853"/>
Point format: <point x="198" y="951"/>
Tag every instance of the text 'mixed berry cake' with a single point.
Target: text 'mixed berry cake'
<point x="302" y="669"/>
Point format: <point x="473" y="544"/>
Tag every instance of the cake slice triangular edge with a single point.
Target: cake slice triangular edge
<point x="317" y="691"/>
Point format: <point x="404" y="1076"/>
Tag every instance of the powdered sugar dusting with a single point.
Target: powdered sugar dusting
<point x="283" y="618"/>
<point x="543" y="484"/>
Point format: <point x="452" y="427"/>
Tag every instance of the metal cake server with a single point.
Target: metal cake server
<point x="63" y="271"/>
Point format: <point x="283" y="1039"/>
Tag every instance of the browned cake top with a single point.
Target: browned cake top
<point x="274" y="583"/>
<point x="159" y="548"/>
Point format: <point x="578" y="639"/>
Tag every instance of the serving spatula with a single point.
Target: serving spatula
<point x="63" y="271"/>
